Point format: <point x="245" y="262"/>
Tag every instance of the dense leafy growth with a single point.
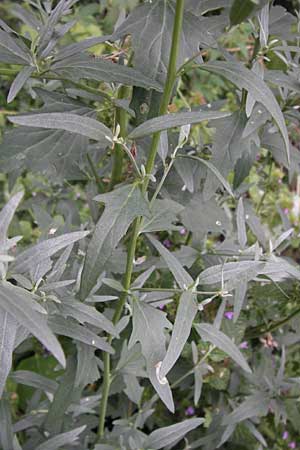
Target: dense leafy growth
<point x="149" y="230"/>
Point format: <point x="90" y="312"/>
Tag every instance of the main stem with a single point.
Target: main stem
<point x="171" y="78"/>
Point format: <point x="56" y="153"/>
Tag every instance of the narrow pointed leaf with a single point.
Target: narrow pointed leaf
<point x="256" y="405"/>
<point x="216" y="337"/>
<point x="174" y="120"/>
<point x="241" y="224"/>
<point x="123" y="205"/>
<point x="19" y="82"/>
<point x="85" y="126"/>
<point x="8" y="328"/>
<point x="21" y="306"/>
<point x="11" y="51"/>
<point x="62" y="439"/>
<point x="7" y="214"/>
<point x="34" y="380"/>
<point x="6" y="428"/>
<point x="169" y="435"/>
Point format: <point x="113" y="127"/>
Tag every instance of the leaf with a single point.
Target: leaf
<point x="45" y="249"/>
<point x="56" y="153"/>
<point x="19" y="82"/>
<point x="163" y="214"/>
<point x="182" y="277"/>
<point x="169" y="435"/>
<point x="78" y="47"/>
<point x="231" y="272"/>
<point x="123" y="205"/>
<point x="20" y="304"/>
<point x="12" y="51"/>
<point x="6" y="429"/>
<point x="71" y="329"/>
<point x="151" y="27"/>
<point x="239" y="298"/>
<point x="148" y="324"/>
<point x="245" y="79"/>
<point x="216" y="337"/>
<point x="7" y="214"/>
<point x="73" y="123"/>
<point x="241" y="10"/>
<point x="34" y="380"/>
<point x="174" y="120"/>
<point x="185" y="315"/>
<point x="86" y="67"/>
<point x="256" y="405"/>
<point x="61" y="440"/>
<point x="8" y="328"/>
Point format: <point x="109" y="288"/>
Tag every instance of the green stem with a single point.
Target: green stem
<point x="171" y="77"/>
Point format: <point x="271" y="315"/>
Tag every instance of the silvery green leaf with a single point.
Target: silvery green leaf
<point x="7" y="214"/>
<point x="86" y="314"/>
<point x="239" y="298"/>
<point x="70" y="328"/>
<point x="282" y="238"/>
<point x="263" y="19"/>
<point x="133" y="390"/>
<point x="78" y="47"/>
<point x="84" y="66"/>
<point x="87" y="371"/>
<point x="19" y="82"/>
<point x="148" y="325"/>
<point x="254" y="431"/>
<point x="229" y="430"/>
<point x="185" y="315"/>
<point x="101" y="298"/>
<point x="256" y="405"/>
<point x="174" y="120"/>
<point x="241" y="225"/>
<point x="12" y="51"/>
<point x="34" y="380"/>
<point x="182" y="277"/>
<point x="169" y="435"/>
<point x="163" y="214"/>
<point x="123" y="205"/>
<point x="6" y="429"/>
<point x="21" y="305"/>
<point x="198" y="380"/>
<point x="222" y="341"/>
<point x="245" y="79"/>
<point x="143" y="277"/>
<point x="73" y="123"/>
<point x="231" y="272"/>
<point x="8" y="328"/>
<point x="62" y="439"/>
<point x="43" y="250"/>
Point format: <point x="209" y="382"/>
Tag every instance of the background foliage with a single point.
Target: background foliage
<point x="149" y="293"/>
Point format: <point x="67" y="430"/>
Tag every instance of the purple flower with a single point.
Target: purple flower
<point x="292" y="444"/>
<point x="229" y="315"/>
<point x="190" y="411"/>
<point x="243" y="345"/>
<point x="167" y="243"/>
<point x="286" y="211"/>
<point x="182" y="231"/>
<point x="161" y="307"/>
<point x="285" y="435"/>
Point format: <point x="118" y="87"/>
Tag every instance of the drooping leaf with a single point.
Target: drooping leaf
<point x="169" y="435"/>
<point x="254" y="406"/>
<point x="222" y="341"/>
<point x="174" y="120"/>
<point x="8" y="328"/>
<point x="245" y="79"/>
<point x="88" y="68"/>
<point x="45" y="249"/>
<point x="21" y="305"/>
<point x="73" y="123"/>
<point x="19" y="82"/>
<point x="182" y="277"/>
<point x="148" y="325"/>
<point x="185" y="315"/>
<point x="12" y="51"/>
<point x="123" y="205"/>
<point x="62" y="439"/>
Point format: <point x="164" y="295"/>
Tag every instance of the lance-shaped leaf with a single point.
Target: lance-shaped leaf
<point x="34" y="380"/>
<point x="148" y="325"/>
<point x="174" y="120"/>
<point x="169" y="435"/>
<point x="13" y="51"/>
<point x="222" y="341"/>
<point x="256" y="405"/>
<point x="85" y="126"/>
<point x="89" y="68"/>
<point x="21" y="305"/>
<point x="43" y="250"/>
<point x="19" y="82"/>
<point x="241" y="224"/>
<point x="246" y="79"/>
<point x="163" y="215"/>
<point x="62" y="439"/>
<point x="78" y="47"/>
<point x="7" y="214"/>
<point x="185" y="315"/>
<point x="6" y="428"/>
<point x="71" y="329"/>
<point x="123" y="205"/>
<point x="8" y="328"/>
